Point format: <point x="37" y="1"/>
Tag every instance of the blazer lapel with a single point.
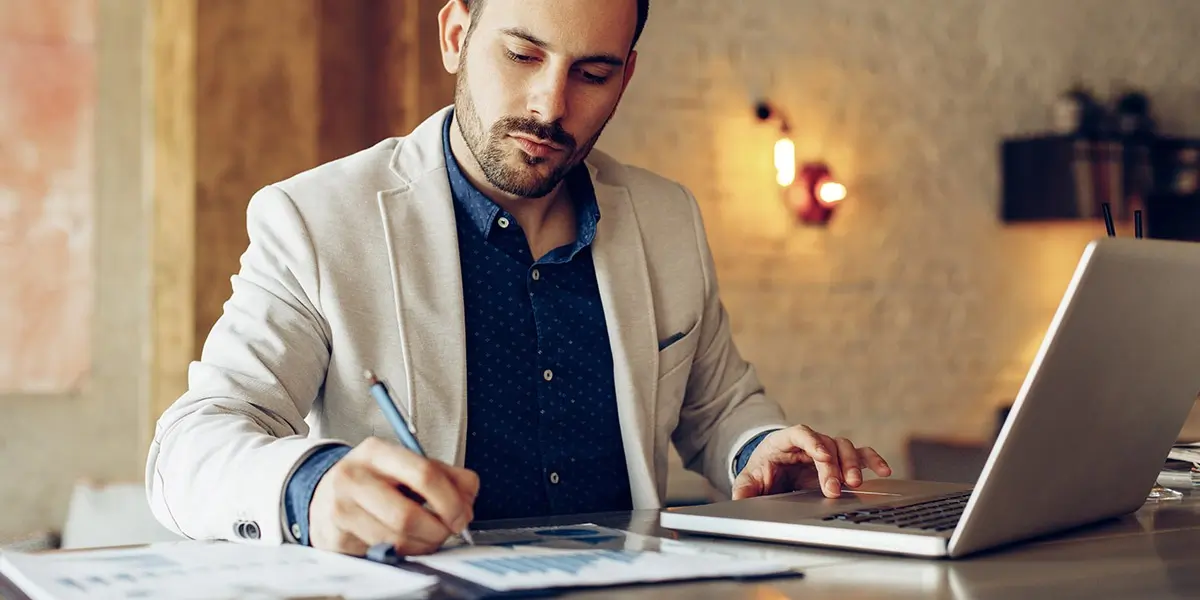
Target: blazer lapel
<point x="422" y="242"/>
<point x="624" y="283"/>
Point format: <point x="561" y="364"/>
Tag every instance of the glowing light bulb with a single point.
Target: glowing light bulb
<point x="831" y="192"/>
<point x="785" y="162"/>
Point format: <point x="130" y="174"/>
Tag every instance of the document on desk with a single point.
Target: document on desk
<point x="581" y="556"/>
<point x="1186" y="452"/>
<point x="208" y="570"/>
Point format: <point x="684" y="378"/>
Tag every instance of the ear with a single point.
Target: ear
<point x="630" y="65"/>
<point x="453" y="22"/>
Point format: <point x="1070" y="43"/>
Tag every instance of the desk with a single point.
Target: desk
<point x="1153" y="553"/>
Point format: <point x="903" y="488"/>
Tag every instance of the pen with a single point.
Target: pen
<point x="403" y="431"/>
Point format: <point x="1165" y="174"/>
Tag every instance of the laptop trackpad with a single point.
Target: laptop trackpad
<point x="847" y="494"/>
<point x="817" y="503"/>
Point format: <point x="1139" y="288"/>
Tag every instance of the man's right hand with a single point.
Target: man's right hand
<point x="375" y="493"/>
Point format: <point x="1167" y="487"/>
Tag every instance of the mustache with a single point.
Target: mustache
<point x="547" y="131"/>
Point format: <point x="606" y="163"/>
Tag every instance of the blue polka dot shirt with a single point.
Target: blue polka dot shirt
<point x="542" y="426"/>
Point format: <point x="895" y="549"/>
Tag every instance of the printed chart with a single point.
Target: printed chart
<point x="580" y="556"/>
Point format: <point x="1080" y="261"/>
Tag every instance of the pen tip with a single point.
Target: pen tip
<point x="369" y="375"/>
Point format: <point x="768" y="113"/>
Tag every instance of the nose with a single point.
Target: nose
<point x="548" y="98"/>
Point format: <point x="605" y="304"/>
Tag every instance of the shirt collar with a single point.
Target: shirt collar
<point x="483" y="212"/>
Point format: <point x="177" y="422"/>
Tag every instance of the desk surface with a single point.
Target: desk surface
<point x="1153" y="553"/>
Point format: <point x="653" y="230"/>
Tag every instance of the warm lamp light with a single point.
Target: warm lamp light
<point x="831" y="192"/>
<point x="811" y="193"/>
<point x="785" y="162"/>
<point x="815" y="195"/>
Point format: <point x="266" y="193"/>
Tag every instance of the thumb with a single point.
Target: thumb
<point x="747" y="486"/>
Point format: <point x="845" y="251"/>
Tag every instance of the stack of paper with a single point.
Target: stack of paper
<point x="208" y="570"/>
<point x="505" y="560"/>
<point x="1182" y="468"/>
<point x="1185" y="452"/>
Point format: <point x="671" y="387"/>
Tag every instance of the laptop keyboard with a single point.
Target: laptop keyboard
<point x="939" y="514"/>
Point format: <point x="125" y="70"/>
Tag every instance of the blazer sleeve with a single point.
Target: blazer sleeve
<point x="724" y="406"/>
<point x="223" y="452"/>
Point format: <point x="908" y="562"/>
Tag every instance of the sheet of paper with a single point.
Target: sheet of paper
<point x="209" y="570"/>
<point x="1188" y="452"/>
<point x="580" y="556"/>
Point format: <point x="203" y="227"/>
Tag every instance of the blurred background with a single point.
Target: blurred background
<point x="896" y="193"/>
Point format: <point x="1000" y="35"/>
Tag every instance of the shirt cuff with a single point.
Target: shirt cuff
<point x="303" y="483"/>
<point x="743" y="455"/>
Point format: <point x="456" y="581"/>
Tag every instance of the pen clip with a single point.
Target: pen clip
<point x="402" y="407"/>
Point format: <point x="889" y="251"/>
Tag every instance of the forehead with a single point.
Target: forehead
<point x="578" y="27"/>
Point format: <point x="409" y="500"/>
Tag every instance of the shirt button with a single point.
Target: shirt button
<point x="554" y="478"/>
<point x="502" y="222"/>
<point x="536" y="275"/>
<point x="547" y="374"/>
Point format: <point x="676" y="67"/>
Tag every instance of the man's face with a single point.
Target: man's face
<point x="538" y="81"/>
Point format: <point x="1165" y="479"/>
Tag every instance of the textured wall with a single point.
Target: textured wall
<point x="47" y="97"/>
<point x="50" y="441"/>
<point x="916" y="311"/>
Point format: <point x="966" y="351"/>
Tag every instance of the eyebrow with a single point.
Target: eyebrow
<point x="524" y="34"/>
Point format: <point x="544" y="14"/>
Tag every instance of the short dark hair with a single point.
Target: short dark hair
<point x="643" y="12"/>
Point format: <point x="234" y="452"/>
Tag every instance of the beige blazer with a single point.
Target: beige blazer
<point x="354" y="265"/>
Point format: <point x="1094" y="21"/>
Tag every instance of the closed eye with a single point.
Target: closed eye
<point x="519" y="58"/>
<point x="592" y="78"/>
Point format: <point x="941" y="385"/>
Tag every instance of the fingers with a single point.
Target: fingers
<point x="833" y="461"/>
<point x="829" y="472"/>
<point x="377" y="494"/>
<point x="358" y="530"/>
<point x="873" y="461"/>
<point x="386" y="515"/>
<point x="804" y="438"/>
<point x="851" y="468"/>
<point x="429" y="479"/>
<point x="823" y="452"/>
<point x="466" y="480"/>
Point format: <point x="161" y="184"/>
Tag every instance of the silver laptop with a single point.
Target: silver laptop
<point x="1108" y="392"/>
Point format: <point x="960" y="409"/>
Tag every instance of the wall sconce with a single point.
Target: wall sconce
<point x="809" y="190"/>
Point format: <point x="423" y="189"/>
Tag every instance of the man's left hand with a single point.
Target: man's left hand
<point x="799" y="458"/>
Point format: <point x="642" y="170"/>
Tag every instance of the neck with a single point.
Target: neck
<point x="531" y="213"/>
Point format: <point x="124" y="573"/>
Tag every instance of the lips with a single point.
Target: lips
<point x="536" y="147"/>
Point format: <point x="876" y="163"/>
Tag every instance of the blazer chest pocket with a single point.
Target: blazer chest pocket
<point x="675" y="357"/>
<point x="676" y="351"/>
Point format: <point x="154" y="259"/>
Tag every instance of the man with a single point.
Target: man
<point x="547" y="319"/>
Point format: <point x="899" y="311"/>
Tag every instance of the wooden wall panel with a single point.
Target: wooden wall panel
<point x="173" y="197"/>
<point x="257" y="119"/>
<point x="249" y="93"/>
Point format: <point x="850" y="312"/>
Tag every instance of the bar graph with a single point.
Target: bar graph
<point x="529" y="567"/>
<point x="567" y="563"/>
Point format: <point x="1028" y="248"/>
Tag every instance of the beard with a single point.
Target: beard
<point x="493" y="148"/>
